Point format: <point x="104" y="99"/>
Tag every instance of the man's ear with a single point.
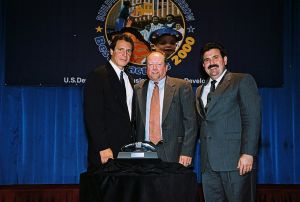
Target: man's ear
<point x="168" y="67"/>
<point x="111" y="51"/>
<point x="225" y="60"/>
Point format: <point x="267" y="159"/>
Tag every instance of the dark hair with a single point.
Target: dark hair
<point x="170" y="15"/>
<point x="155" y="16"/>
<point x="136" y="33"/>
<point x="127" y="3"/>
<point x="213" y="45"/>
<point x="119" y="37"/>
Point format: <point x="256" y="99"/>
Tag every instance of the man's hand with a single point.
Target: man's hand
<point x="185" y="160"/>
<point x="245" y="163"/>
<point x="105" y="155"/>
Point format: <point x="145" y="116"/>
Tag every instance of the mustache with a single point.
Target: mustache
<point x="213" y="65"/>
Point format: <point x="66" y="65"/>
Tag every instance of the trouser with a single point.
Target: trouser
<point x="228" y="186"/>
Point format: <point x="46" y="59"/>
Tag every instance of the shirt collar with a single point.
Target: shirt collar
<point x="220" y="78"/>
<point x="160" y="82"/>
<point x="116" y="68"/>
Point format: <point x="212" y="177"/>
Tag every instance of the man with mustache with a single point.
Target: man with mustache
<point x="229" y="118"/>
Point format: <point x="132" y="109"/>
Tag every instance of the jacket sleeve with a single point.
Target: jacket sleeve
<point x="250" y="109"/>
<point x="94" y="112"/>
<point x="189" y="119"/>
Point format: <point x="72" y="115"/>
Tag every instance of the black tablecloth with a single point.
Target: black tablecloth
<point x="139" y="181"/>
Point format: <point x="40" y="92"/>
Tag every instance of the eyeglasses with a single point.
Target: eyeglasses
<point x="123" y="51"/>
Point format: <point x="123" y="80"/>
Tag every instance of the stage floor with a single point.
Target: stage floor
<point x="70" y="193"/>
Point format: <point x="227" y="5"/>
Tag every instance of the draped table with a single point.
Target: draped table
<point x="138" y="180"/>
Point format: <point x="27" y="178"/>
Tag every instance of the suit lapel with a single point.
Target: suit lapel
<point x="203" y="109"/>
<point x="219" y="91"/>
<point x="200" y="106"/>
<point x="142" y="96"/>
<point x="116" y="86"/>
<point x="168" y="96"/>
<point x="133" y="97"/>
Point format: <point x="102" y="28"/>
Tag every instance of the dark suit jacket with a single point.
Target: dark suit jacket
<point x="106" y="115"/>
<point x="179" y="126"/>
<point x="231" y="124"/>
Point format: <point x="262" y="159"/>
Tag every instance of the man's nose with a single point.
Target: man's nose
<point x="212" y="62"/>
<point x="126" y="53"/>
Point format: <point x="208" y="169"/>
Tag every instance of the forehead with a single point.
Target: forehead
<point x="167" y="39"/>
<point x="155" y="57"/>
<point x="212" y="52"/>
<point x="123" y="44"/>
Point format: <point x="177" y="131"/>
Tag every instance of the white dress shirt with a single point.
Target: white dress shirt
<point x="206" y="88"/>
<point x="129" y="90"/>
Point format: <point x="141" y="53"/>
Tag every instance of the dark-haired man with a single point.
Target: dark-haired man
<point x="108" y="101"/>
<point x="170" y="21"/>
<point x="228" y="109"/>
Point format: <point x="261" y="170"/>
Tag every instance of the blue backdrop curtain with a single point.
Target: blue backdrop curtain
<point x="43" y="139"/>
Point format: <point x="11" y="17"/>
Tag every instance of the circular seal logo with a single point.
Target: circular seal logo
<point x="152" y="25"/>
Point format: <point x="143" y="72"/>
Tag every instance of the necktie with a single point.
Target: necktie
<point x="212" y="89"/>
<point x="212" y="86"/>
<point x="154" y="119"/>
<point x="123" y="84"/>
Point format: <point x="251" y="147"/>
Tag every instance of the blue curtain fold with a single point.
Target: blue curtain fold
<point x="43" y="135"/>
<point x="42" y="132"/>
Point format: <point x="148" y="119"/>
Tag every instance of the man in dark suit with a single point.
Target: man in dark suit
<point x="175" y="132"/>
<point x="228" y="108"/>
<point x="108" y="101"/>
